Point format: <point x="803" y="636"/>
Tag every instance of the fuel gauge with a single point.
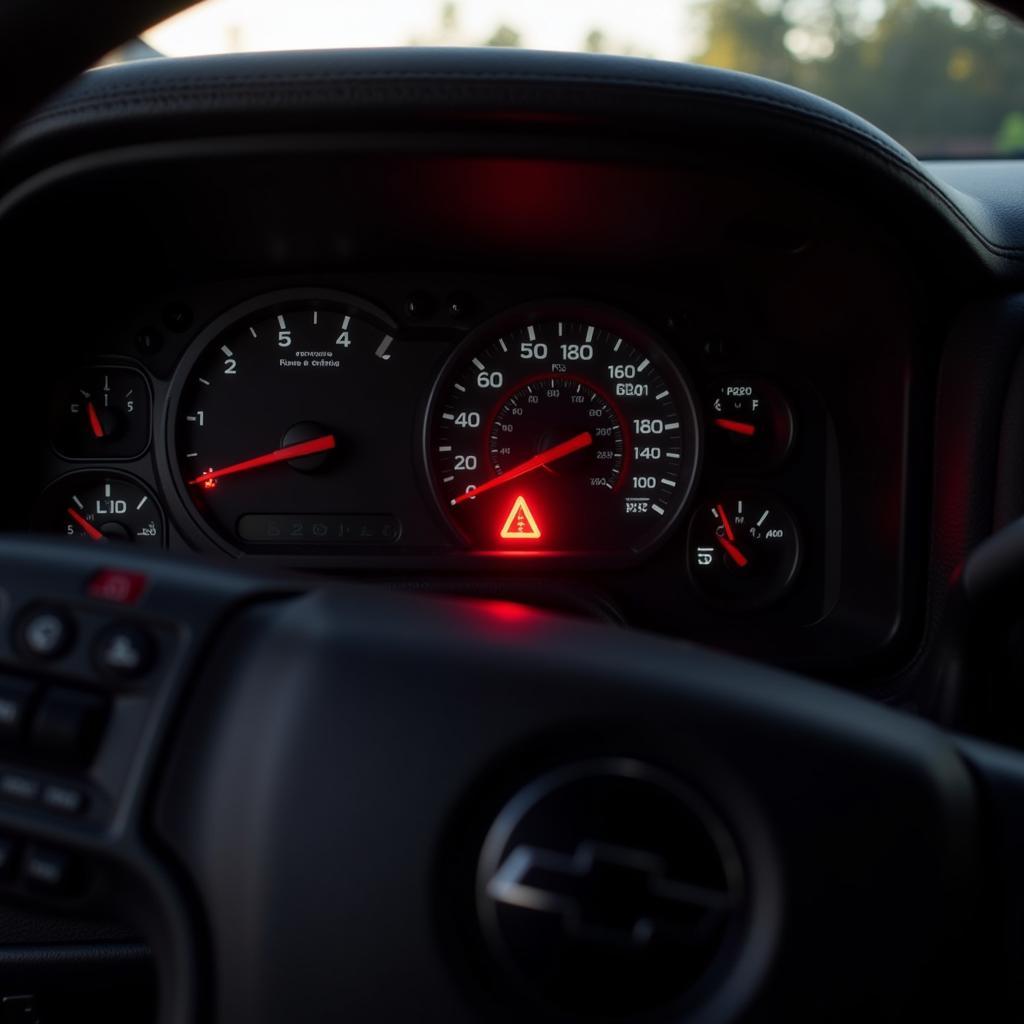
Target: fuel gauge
<point x="743" y="551"/>
<point x="101" y="507"/>
<point x="751" y="425"/>
<point x="102" y="413"/>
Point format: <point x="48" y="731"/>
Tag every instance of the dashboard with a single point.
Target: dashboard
<point x="604" y="378"/>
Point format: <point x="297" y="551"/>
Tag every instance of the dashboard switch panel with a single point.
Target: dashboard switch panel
<point x="45" y="633"/>
<point x="123" y="650"/>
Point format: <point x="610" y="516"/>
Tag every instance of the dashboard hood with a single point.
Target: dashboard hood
<point x="77" y="36"/>
<point x="766" y="126"/>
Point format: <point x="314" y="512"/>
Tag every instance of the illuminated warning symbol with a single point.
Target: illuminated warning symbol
<point x="520" y="524"/>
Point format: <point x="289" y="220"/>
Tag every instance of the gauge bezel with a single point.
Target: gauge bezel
<point x="190" y="523"/>
<point x="776" y="459"/>
<point x="99" y="472"/>
<point x="84" y="460"/>
<point x="782" y="589"/>
<point x="645" y="339"/>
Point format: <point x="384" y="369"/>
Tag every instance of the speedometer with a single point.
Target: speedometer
<point x="562" y="429"/>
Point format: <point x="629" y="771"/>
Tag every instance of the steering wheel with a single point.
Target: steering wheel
<point x="331" y="802"/>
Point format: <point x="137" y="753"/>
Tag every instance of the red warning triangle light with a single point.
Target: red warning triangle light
<point x="520" y="524"/>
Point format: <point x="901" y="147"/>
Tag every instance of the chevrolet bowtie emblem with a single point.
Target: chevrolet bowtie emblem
<point x="605" y="893"/>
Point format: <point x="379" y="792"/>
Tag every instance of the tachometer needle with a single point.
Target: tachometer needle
<point x="544" y="458"/>
<point x="746" y="429"/>
<point x="84" y="523"/>
<point x="94" y="420"/>
<point x="732" y="551"/>
<point x="291" y="451"/>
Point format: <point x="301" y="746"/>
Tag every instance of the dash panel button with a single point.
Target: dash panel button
<point x="68" y="726"/>
<point x="15" y="697"/>
<point x="45" y="633"/>
<point x="123" y="651"/>
<point x="63" y="799"/>
<point x="47" y="870"/>
<point x="117" y="585"/>
<point x="23" y="788"/>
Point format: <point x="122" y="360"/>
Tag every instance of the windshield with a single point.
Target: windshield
<point x="944" y="77"/>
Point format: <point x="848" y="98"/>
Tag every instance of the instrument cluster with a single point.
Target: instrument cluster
<point x="320" y="429"/>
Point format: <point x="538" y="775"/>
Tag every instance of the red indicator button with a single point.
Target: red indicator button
<point x="117" y="586"/>
<point x="520" y="524"/>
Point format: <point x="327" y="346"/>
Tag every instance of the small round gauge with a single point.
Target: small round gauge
<point x="751" y="425"/>
<point x="101" y="507"/>
<point x="102" y="413"/>
<point x="278" y="435"/>
<point x="562" y="429"/>
<point x="743" y="551"/>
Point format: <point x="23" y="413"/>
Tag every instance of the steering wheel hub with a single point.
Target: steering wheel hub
<point x="609" y="888"/>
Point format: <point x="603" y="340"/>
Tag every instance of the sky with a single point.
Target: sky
<point x="656" y="28"/>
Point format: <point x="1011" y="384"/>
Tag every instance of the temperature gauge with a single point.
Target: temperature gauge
<point x="103" y="413"/>
<point x="743" y="552"/>
<point x="101" y="507"/>
<point x="751" y="425"/>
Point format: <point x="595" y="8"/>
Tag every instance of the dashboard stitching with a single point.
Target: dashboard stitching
<point x="110" y="99"/>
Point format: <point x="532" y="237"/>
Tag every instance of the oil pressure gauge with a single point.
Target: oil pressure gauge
<point x="743" y="551"/>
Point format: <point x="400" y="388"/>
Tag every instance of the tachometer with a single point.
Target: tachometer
<point x="279" y="436"/>
<point x="566" y="429"/>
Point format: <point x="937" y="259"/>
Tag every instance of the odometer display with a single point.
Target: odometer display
<point x="564" y="430"/>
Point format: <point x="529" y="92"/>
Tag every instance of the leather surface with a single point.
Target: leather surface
<point x="21" y="927"/>
<point x="990" y="192"/>
<point x="97" y="957"/>
<point x="433" y="89"/>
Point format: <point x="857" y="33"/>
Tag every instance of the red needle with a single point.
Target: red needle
<point x="292" y="451"/>
<point x="732" y="551"/>
<point x="746" y="429"/>
<point x="544" y="458"/>
<point x="725" y="522"/>
<point x="94" y="420"/>
<point x="86" y="525"/>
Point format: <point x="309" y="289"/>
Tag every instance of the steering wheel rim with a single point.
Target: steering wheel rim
<point x="312" y="780"/>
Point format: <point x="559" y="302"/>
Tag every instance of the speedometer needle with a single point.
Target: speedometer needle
<point x="291" y="451"/>
<point x="544" y="458"/>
